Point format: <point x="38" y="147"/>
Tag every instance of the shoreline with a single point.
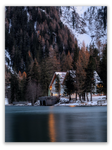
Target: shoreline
<point x="58" y="106"/>
<point x="64" y="101"/>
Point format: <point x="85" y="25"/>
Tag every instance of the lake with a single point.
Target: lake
<point x="55" y="124"/>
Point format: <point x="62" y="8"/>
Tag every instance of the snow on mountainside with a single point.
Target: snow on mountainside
<point x="89" y="36"/>
<point x="8" y="62"/>
<point x="80" y="37"/>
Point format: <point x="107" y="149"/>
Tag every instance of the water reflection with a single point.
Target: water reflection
<point x="52" y="133"/>
<point x="56" y="124"/>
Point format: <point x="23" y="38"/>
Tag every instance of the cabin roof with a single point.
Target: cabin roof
<point x="61" y="76"/>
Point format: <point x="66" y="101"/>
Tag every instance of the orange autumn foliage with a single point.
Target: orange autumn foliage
<point x="82" y="64"/>
<point x="22" y="75"/>
<point x="29" y="53"/>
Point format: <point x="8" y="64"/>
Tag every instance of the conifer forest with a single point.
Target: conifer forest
<point x="40" y="41"/>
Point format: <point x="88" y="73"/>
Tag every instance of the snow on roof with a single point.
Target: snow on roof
<point x="61" y="77"/>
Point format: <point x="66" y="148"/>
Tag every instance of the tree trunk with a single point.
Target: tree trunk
<point x="87" y="97"/>
<point x="79" y="97"/>
<point x="33" y="102"/>
<point x="69" y="97"/>
<point x="59" y="94"/>
<point x="84" y="96"/>
<point x="91" y="96"/>
<point x="91" y="93"/>
<point x="76" y="95"/>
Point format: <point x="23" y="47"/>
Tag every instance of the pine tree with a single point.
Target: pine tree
<point x="75" y="56"/>
<point x="89" y="81"/>
<point x="96" y="59"/>
<point x="22" y="86"/>
<point x="14" y="88"/>
<point x="66" y="61"/>
<point x="81" y="66"/>
<point x="69" y="85"/>
<point x="103" y="71"/>
<point x="57" y="84"/>
<point x="35" y="72"/>
<point x="44" y="78"/>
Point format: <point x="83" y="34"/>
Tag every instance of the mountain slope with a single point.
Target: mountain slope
<point x="34" y="30"/>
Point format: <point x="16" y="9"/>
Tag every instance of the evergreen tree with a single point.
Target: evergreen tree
<point x="103" y="69"/>
<point x="66" y="61"/>
<point x="75" y="56"/>
<point x="14" y="88"/>
<point x="69" y="85"/>
<point x="35" y="72"/>
<point x="44" y="78"/>
<point x="96" y="59"/>
<point x="32" y="91"/>
<point x="81" y="66"/>
<point x="57" y="84"/>
<point x="89" y="81"/>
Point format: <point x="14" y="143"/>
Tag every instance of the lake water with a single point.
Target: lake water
<point x="55" y="124"/>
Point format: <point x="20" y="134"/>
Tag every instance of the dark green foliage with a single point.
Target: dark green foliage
<point x="69" y="85"/>
<point x="89" y="82"/>
<point x="14" y="88"/>
<point x="35" y="72"/>
<point x="75" y="57"/>
<point x="103" y="68"/>
<point x="57" y="84"/>
<point x="44" y="78"/>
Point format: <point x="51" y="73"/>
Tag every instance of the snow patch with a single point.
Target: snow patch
<point x="94" y="101"/>
<point x="29" y="104"/>
<point x="10" y="25"/>
<point x="35" y="24"/>
<point x="6" y="101"/>
<point x="28" y="16"/>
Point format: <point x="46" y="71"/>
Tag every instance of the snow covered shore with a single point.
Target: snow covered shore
<point x="96" y="101"/>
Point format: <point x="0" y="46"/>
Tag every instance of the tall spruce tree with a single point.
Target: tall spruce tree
<point x="69" y="85"/>
<point x="89" y="81"/>
<point x="81" y="66"/>
<point x="57" y="84"/>
<point x="103" y="69"/>
<point x="75" y="58"/>
<point x="14" y="88"/>
<point x="44" y="78"/>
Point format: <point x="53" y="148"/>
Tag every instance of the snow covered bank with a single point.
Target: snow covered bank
<point x="96" y="101"/>
<point x="6" y="101"/>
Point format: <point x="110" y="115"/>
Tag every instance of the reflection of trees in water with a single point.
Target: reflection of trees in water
<point x="51" y="123"/>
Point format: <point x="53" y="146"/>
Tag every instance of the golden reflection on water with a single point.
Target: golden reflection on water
<point x="52" y="134"/>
